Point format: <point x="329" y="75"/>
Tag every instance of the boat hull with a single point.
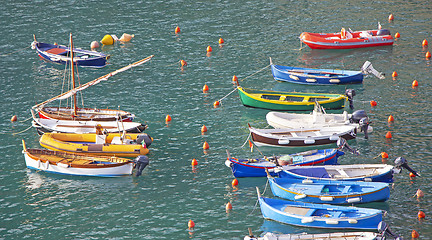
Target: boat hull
<point x="354" y="172"/>
<point x="320" y="215"/>
<point x="311" y="76"/>
<point x="95" y="170"/>
<point x="85" y="114"/>
<point x="334" y="41"/>
<point x="257" y="167"/>
<point x="60" y="54"/>
<point x="330" y="192"/>
<point x="285" y="101"/>
<point x="320" y="236"/>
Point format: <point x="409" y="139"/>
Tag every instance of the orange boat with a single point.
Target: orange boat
<point x="347" y="39"/>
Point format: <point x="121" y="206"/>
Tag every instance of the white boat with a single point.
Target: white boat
<point x="301" y="137"/>
<point x="69" y="126"/>
<point x="319" y="118"/>
<point x="320" y="236"/>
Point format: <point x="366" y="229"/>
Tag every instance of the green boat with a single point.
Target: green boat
<point x="289" y="101"/>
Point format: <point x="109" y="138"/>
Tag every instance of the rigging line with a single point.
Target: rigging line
<point x="7" y="54"/>
<point x="255" y="73"/>
<point x="22" y="131"/>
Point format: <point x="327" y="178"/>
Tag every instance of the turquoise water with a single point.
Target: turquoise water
<point x="159" y="204"/>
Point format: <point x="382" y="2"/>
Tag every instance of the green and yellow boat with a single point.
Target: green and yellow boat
<point x="289" y="101"/>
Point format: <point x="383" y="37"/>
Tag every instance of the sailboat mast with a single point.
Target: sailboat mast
<point x="73" y="76"/>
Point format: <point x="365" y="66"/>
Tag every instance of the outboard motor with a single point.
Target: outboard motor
<point x="343" y="144"/>
<point x="364" y="125"/>
<point x="402" y="162"/>
<point x="383" y="32"/>
<point x="350" y="93"/>
<point x="144" y="137"/>
<point x="357" y="115"/>
<point x="140" y="163"/>
<point x="384" y="230"/>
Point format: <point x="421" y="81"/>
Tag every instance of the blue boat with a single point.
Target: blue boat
<point x="255" y="167"/>
<point x="354" y="172"/>
<point x="319" y="215"/>
<point x="61" y="54"/>
<point x="316" y="76"/>
<point x="326" y="191"/>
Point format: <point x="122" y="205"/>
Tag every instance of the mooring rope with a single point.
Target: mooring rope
<point x="25" y="120"/>
<point x="22" y="131"/>
<point x="7" y="54"/>
<point x="256" y="203"/>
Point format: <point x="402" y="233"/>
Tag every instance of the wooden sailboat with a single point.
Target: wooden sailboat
<point x="83" y="114"/>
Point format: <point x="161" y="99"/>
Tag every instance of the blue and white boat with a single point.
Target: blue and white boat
<point x="327" y="191"/>
<point x="319" y="215"/>
<point x="353" y="172"/>
<point x="315" y="76"/>
<point x="62" y="55"/>
<point x="255" y="167"/>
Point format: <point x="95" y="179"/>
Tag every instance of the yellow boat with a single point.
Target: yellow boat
<point x="112" y="144"/>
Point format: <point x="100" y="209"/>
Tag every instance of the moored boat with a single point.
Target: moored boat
<point x="347" y="39"/>
<point x="76" y="164"/>
<point x="319" y="215"/>
<point x="289" y="101"/>
<point x="256" y="167"/>
<point x="327" y="191"/>
<point x="301" y="137"/>
<point x="68" y="126"/>
<point x="62" y="55"/>
<point x="113" y="144"/>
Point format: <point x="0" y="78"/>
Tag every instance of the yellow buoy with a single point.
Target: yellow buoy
<point x="108" y="39"/>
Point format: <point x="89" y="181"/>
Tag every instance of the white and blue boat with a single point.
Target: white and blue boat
<point x="62" y="54"/>
<point x="315" y="76"/>
<point x="326" y="191"/>
<point x="255" y="167"/>
<point x="319" y="215"/>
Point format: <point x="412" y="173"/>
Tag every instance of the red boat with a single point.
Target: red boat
<point x="347" y="39"/>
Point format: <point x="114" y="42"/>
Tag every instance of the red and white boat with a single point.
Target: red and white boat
<point x="347" y="39"/>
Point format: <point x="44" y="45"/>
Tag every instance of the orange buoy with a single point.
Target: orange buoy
<point x="234" y="182"/>
<point x="203" y="129"/>
<point x="221" y="41"/>
<point x="205" y="145"/>
<point x="421" y="214"/>
<point x="414" y="84"/>
<point x="388" y="135"/>
<point x="414" y="234"/>
<point x="397" y="35"/>
<point x="391" y="17"/>
<point x="394" y="74"/>
<point x="183" y="63"/>
<point x="424" y="43"/>
<point x="412" y="175"/>
<point x="419" y="193"/>
<point x="209" y="49"/>
<point x="390" y="118"/>
<point x="194" y="162"/>
<point x="191" y="224"/>
<point x="14" y="118"/>
<point x="177" y="30"/>
<point x="228" y="206"/>
<point x="94" y="45"/>
<point x="168" y="118"/>
<point x="205" y="88"/>
<point x="373" y="103"/>
<point x="384" y="155"/>
<point x="216" y="104"/>
<point x="428" y="54"/>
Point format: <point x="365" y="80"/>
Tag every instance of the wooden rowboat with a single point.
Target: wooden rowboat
<point x="113" y="144"/>
<point x="62" y="55"/>
<point x="289" y="101"/>
<point x="76" y="164"/>
<point x="347" y="40"/>
<point x="256" y="167"/>
<point x="319" y="215"/>
<point x="327" y="191"/>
